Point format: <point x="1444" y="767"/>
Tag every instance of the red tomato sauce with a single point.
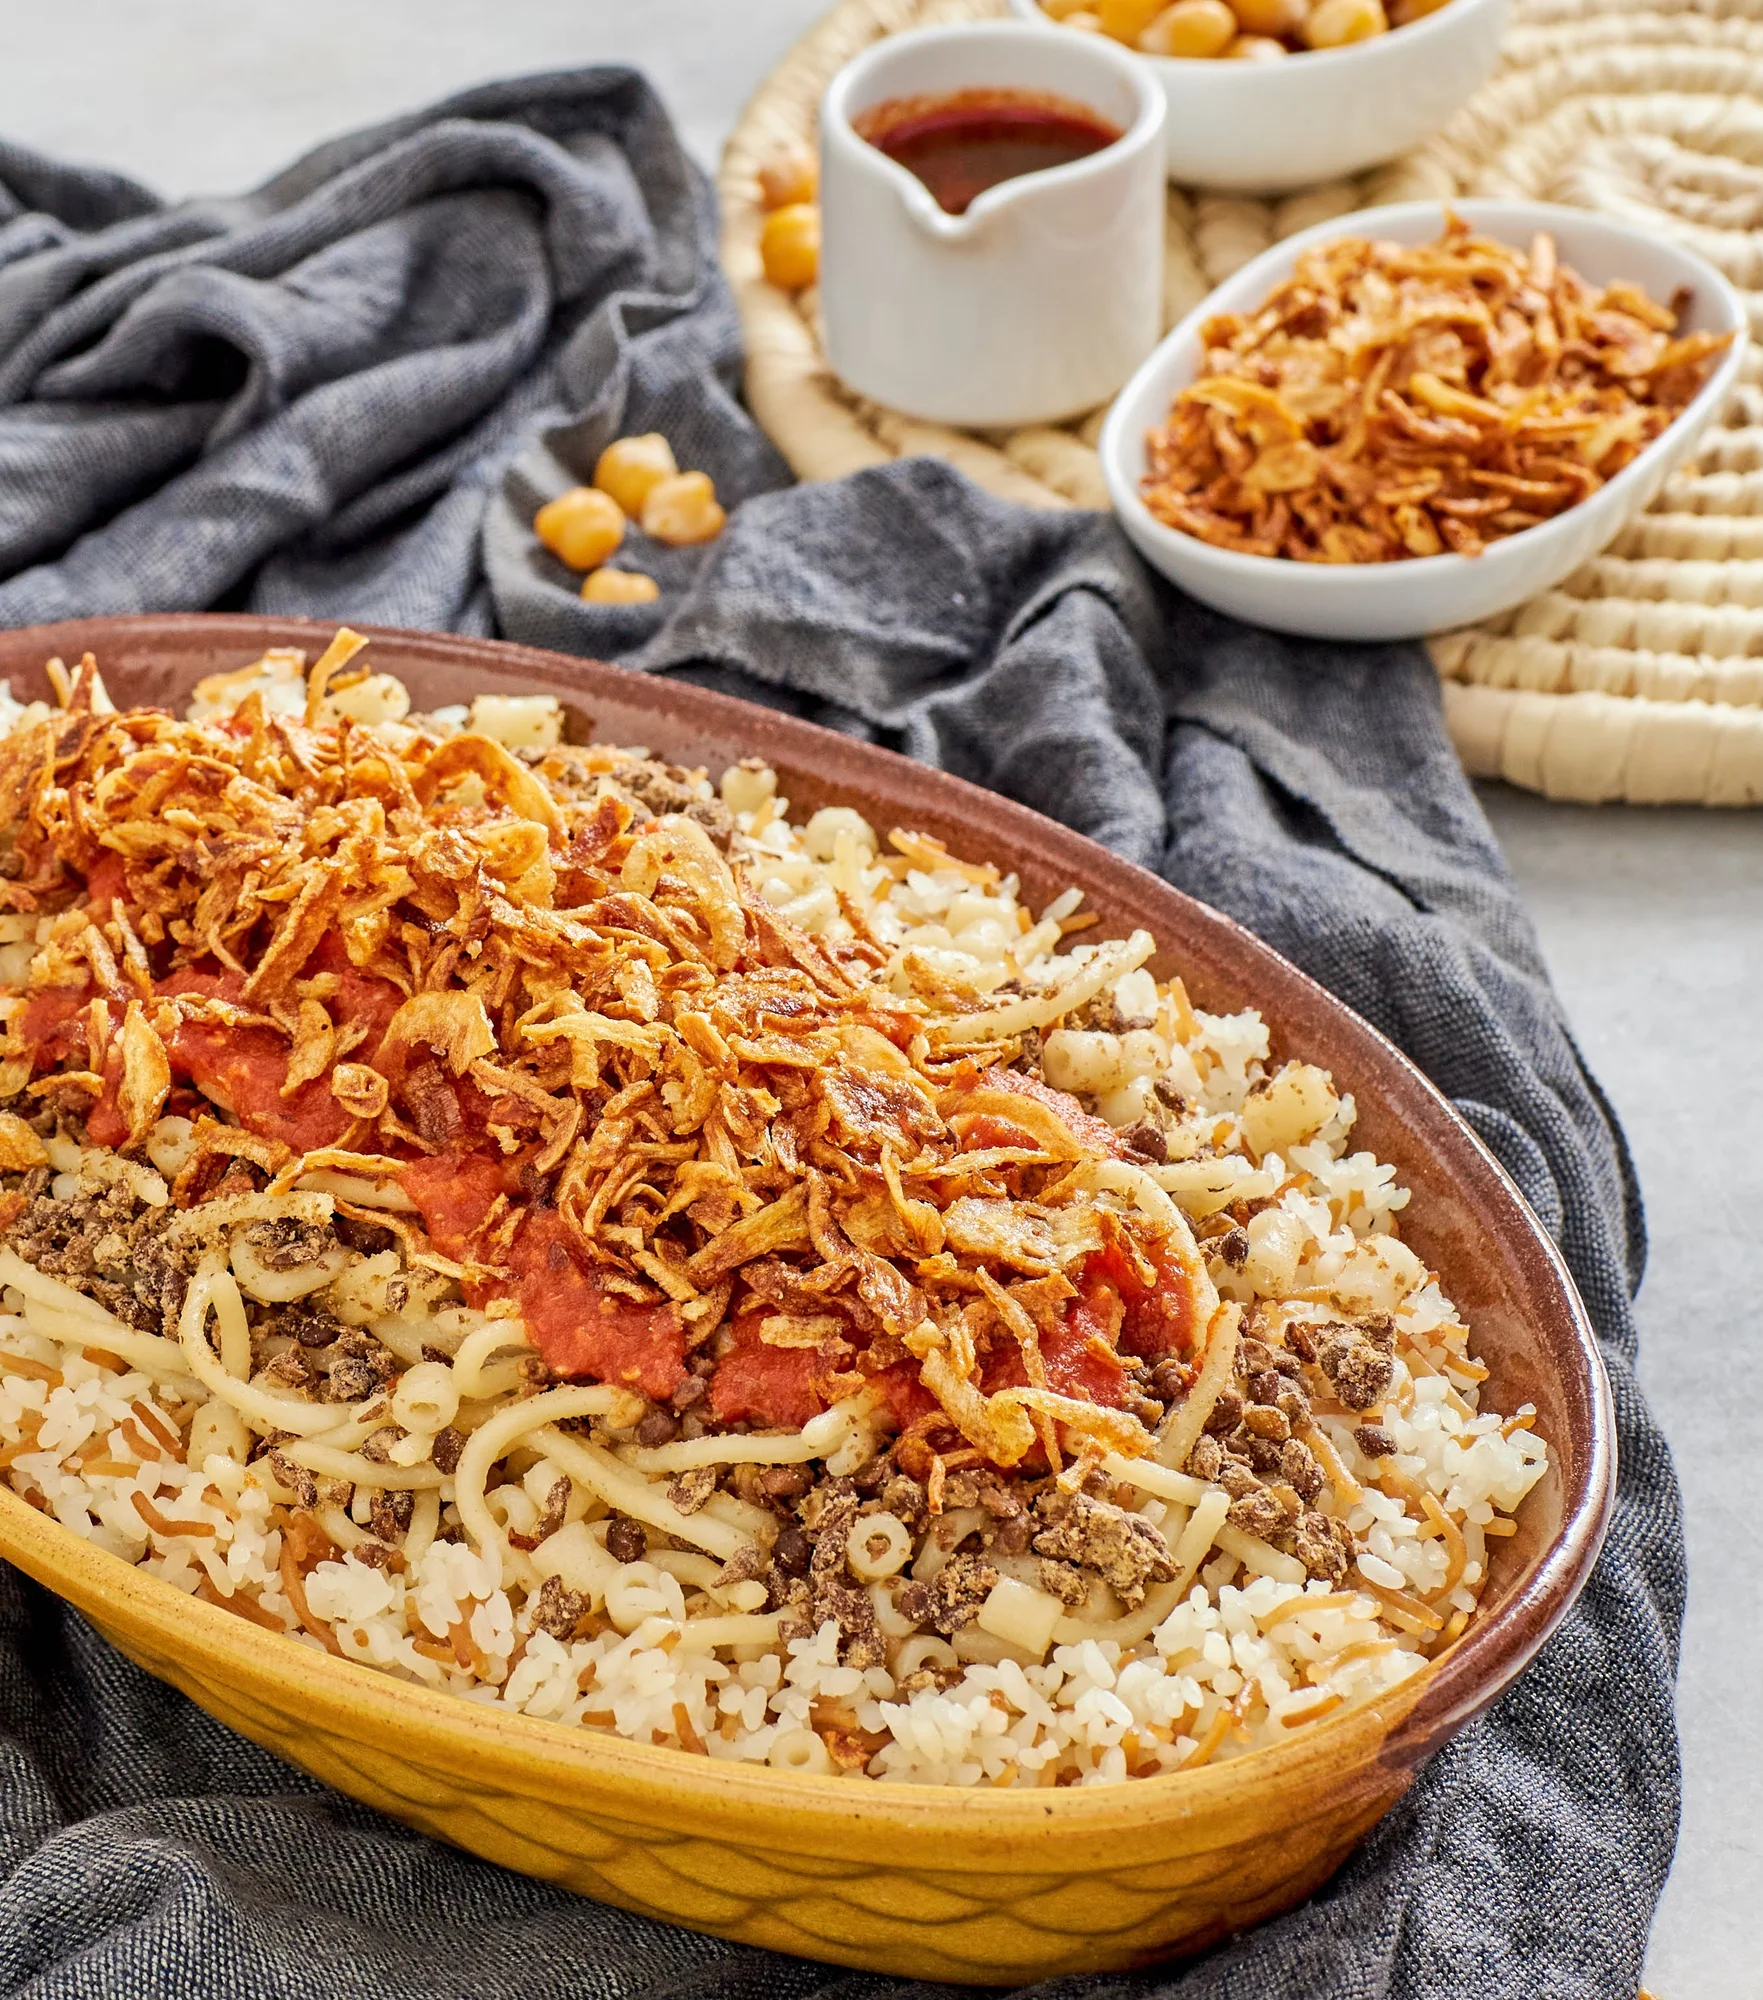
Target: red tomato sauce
<point x="579" y="1325"/>
<point x="47" y="1029"/>
<point x="906" y="1397"/>
<point x="105" y="1124"/>
<point x="965" y="141"/>
<point x="245" y="1068"/>
<point x="48" y="1017"/>
<point x="1079" y="1358"/>
<point x="1159" y="1317"/>
<point x="1095" y="1133"/>
<point x="104" y="883"/>
<point x="778" y="1388"/>
<point x="583" y="1328"/>
<point x="454" y="1193"/>
<point x="781" y="1388"/>
<point x="241" y="1068"/>
<point x="1075" y="1364"/>
<point x="981" y="1130"/>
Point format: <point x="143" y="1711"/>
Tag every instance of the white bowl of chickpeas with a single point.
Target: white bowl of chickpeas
<point x="1266" y="95"/>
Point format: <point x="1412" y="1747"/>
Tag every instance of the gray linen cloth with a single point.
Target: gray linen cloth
<point x="344" y="395"/>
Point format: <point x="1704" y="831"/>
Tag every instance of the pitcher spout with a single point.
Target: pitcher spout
<point x="929" y="215"/>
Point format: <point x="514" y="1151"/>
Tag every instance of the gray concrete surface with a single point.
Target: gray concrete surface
<point x="1653" y="922"/>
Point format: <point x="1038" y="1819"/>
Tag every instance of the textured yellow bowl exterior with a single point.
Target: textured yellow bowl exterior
<point x="983" y="1888"/>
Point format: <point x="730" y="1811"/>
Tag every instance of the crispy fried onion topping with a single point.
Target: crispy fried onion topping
<point x="1388" y="401"/>
<point x="527" y="1007"/>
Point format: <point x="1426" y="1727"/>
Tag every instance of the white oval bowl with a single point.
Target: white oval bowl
<point x="1269" y="126"/>
<point x="1404" y="600"/>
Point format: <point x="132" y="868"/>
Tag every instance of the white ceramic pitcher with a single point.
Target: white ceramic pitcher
<point x="1039" y="301"/>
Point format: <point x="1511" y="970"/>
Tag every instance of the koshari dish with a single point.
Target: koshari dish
<point x="504" y="1211"/>
<point x="1389" y="401"/>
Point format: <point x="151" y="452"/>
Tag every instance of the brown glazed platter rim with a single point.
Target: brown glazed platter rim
<point x="830" y="767"/>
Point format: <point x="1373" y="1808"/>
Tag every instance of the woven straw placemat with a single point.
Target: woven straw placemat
<point x="1641" y="677"/>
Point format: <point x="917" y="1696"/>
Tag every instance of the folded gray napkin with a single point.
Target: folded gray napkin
<point x="344" y="395"/>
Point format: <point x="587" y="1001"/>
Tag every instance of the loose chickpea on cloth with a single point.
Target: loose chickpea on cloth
<point x="539" y="261"/>
<point x="634" y="476"/>
<point x="541" y="314"/>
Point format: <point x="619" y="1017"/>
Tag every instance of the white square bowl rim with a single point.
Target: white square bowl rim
<point x="1121" y="446"/>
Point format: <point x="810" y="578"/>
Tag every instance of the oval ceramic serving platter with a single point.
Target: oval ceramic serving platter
<point x="988" y="1887"/>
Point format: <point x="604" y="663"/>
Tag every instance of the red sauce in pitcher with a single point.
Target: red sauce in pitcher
<point x="959" y="143"/>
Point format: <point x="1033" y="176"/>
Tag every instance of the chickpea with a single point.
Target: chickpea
<point x="581" y="527"/>
<point x="1278" y="20"/>
<point x="683" y="510"/>
<point x="790" y="178"/>
<point x="1059" y="10"/>
<point x="1127" y="20"/>
<point x="1406" y="11"/>
<point x="620" y="586"/>
<point x="789" y="246"/>
<point x="631" y="467"/>
<point x="1255" y="48"/>
<point x="1335" y="23"/>
<point x="1089" y="23"/>
<point x="1190" y="28"/>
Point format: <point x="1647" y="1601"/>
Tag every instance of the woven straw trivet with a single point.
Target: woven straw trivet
<point x="1641" y="677"/>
